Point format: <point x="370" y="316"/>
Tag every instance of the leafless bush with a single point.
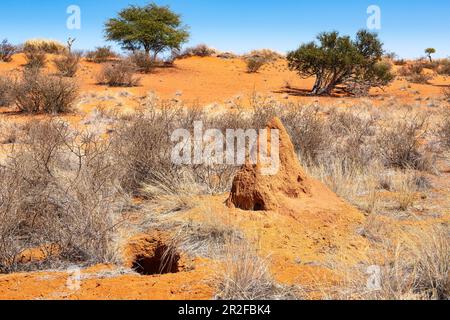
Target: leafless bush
<point x="254" y="63"/>
<point x="44" y="45"/>
<point x="142" y="61"/>
<point x="446" y="92"/>
<point x="119" y="74"/>
<point x="444" y="67"/>
<point x="265" y="54"/>
<point x="415" y="73"/>
<point x="6" y="91"/>
<point x="400" y="144"/>
<point x="309" y="131"/>
<point x="37" y="92"/>
<point x="7" y="50"/>
<point x="143" y="147"/>
<point x="142" y="144"/>
<point x="201" y="50"/>
<point x="444" y="129"/>
<point x="101" y="55"/>
<point x="36" y="59"/>
<point x="67" y="65"/>
<point x="59" y="189"/>
<point x="400" y="62"/>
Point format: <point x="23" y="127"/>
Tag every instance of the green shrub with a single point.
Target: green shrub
<point x="338" y="60"/>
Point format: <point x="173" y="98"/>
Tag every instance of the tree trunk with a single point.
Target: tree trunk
<point x="317" y="85"/>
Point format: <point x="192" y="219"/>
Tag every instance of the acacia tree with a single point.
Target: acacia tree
<point x="339" y="60"/>
<point x="429" y="52"/>
<point x="151" y="28"/>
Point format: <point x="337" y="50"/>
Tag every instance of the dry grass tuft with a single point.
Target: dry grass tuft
<point x="246" y="276"/>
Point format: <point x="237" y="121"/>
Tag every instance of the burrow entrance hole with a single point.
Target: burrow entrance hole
<point x="162" y="261"/>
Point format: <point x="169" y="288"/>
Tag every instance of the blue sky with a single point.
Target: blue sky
<point x="408" y="26"/>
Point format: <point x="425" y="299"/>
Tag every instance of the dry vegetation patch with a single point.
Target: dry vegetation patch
<point x="119" y="74"/>
<point x="59" y="188"/>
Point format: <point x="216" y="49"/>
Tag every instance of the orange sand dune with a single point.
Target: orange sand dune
<point x="214" y="80"/>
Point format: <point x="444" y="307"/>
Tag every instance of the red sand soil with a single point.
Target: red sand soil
<point x="301" y="234"/>
<point x="214" y="80"/>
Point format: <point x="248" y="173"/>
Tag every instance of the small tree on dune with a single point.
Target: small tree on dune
<point x="429" y="52"/>
<point x="338" y="60"/>
<point x="151" y="28"/>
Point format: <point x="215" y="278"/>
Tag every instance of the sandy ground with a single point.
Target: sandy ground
<point x="297" y="255"/>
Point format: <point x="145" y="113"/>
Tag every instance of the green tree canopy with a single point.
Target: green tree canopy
<point x="151" y="28"/>
<point x="338" y="60"/>
<point x="429" y="52"/>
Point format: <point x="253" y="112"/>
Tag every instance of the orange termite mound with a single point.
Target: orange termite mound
<point x="254" y="190"/>
<point x="289" y="191"/>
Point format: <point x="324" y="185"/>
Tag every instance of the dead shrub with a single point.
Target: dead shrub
<point x="254" y="64"/>
<point x="443" y="131"/>
<point x="400" y="62"/>
<point x="44" y="45"/>
<point x="6" y="91"/>
<point x="142" y="145"/>
<point x="36" y="59"/>
<point x="201" y="50"/>
<point x="119" y="74"/>
<point x="266" y="54"/>
<point x="142" y="61"/>
<point x="446" y="92"/>
<point x="415" y="73"/>
<point x="309" y="132"/>
<point x="444" y="67"/>
<point x="101" y="55"/>
<point x="36" y="92"/>
<point x="400" y="144"/>
<point x="60" y="188"/>
<point x="67" y="65"/>
<point x="7" y="50"/>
